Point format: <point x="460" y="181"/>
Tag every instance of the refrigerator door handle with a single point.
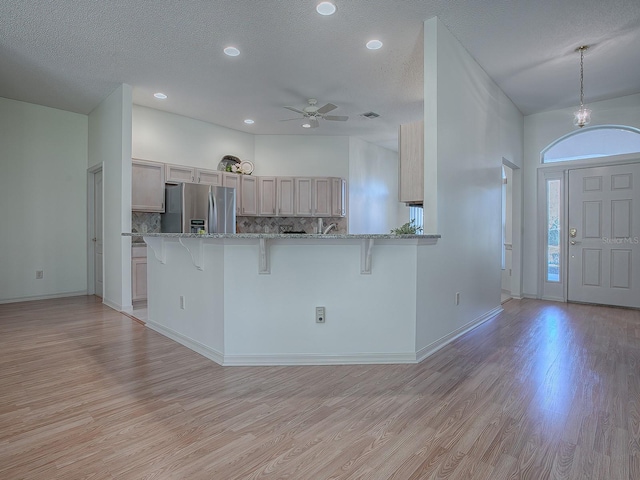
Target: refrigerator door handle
<point x="213" y="213"/>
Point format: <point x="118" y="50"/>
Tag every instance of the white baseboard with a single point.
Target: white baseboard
<point x="197" y="347"/>
<point x="43" y="297"/>
<point x="438" y="344"/>
<point x="283" y="359"/>
<point x="319" y="359"/>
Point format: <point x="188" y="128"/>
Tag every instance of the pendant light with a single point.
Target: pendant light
<point x="582" y="116"/>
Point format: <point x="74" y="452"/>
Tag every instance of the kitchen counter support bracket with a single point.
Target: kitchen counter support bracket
<point x="157" y="246"/>
<point x="366" y="251"/>
<point x="263" y="257"/>
<point x="195" y="248"/>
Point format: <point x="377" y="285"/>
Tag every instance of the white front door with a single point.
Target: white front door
<point x="604" y="235"/>
<point x="97" y="228"/>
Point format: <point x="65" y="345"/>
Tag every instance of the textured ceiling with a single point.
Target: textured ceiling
<point x="72" y="54"/>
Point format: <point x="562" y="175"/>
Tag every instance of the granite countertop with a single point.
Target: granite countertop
<point x="284" y="235"/>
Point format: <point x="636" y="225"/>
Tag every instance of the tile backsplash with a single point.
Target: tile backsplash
<point x="146" y="222"/>
<point x="288" y="224"/>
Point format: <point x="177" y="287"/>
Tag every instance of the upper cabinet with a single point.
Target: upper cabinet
<point x="180" y="174"/>
<point x="321" y="197"/>
<point x="184" y="174"/>
<point x="147" y="186"/>
<point x="248" y="195"/>
<point x="285" y="188"/>
<point x="411" y="152"/>
<point x="303" y="197"/>
<point x="267" y="188"/>
<point x="338" y="197"/>
<point x="208" y="177"/>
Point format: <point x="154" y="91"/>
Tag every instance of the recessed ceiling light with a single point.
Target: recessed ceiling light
<point x="306" y="125"/>
<point x="232" y="51"/>
<point x="160" y="95"/>
<point x="248" y="121"/>
<point x="374" y="44"/>
<point x="326" y="8"/>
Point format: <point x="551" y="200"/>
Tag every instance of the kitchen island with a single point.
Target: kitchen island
<point x="250" y="299"/>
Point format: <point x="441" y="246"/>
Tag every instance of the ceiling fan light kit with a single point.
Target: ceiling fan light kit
<point x="311" y="114"/>
<point x="582" y="116"/>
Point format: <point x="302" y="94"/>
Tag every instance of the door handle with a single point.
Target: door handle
<point x="573" y="242"/>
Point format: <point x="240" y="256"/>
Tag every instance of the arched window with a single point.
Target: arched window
<point x="593" y="142"/>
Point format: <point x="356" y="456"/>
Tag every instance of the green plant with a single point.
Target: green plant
<point x="408" y="228"/>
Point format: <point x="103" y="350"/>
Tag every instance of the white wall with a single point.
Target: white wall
<point x="170" y="138"/>
<point x="110" y="146"/>
<point x="302" y="155"/>
<point x="373" y="189"/>
<point x="542" y="129"/>
<point x="43" y="159"/>
<point x="470" y="125"/>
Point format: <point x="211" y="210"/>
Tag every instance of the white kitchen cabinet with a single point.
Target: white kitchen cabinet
<point x="147" y="186"/>
<point x="338" y="197"/>
<point x="321" y="197"/>
<point x="285" y="196"/>
<point x="138" y="273"/>
<point x="249" y="195"/>
<point x="303" y="197"/>
<point x="180" y="174"/>
<point x="267" y="192"/>
<point x="232" y="180"/>
<point x="411" y="164"/>
<point x="208" y="177"/>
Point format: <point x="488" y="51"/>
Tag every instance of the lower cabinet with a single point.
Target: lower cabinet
<point x="138" y="273"/>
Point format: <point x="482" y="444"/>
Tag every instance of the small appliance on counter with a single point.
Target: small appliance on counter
<point x="196" y="208"/>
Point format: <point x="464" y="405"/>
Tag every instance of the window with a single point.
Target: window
<point x="553" y="230"/>
<point x="416" y="214"/>
<point x="593" y="142"/>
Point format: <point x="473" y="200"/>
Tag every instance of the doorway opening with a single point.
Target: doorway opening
<point x="507" y="233"/>
<point x="95" y="261"/>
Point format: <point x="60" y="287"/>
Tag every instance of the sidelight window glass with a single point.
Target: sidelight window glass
<point x="553" y="230"/>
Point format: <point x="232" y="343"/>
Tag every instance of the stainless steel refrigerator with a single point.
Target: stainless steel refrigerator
<point x="193" y="208"/>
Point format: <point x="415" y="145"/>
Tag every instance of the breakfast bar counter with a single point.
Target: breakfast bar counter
<point x="250" y="299"/>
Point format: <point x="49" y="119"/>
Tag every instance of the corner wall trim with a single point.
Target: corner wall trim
<point x="438" y="344"/>
<point x="197" y="347"/>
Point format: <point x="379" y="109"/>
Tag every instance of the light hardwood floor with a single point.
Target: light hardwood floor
<point x="544" y="390"/>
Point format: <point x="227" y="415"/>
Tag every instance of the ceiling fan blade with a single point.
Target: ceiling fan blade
<point x="295" y="110"/>
<point x="327" y="108"/>
<point x="314" y="123"/>
<point x="339" y="118"/>
<point x="289" y="119"/>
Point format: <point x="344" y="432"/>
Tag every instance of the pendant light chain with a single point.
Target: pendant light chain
<point x="582" y="49"/>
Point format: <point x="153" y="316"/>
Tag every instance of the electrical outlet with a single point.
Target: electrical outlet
<point x="320" y="318"/>
<point x="39" y="274"/>
<point x="457" y="298"/>
<point x="182" y="304"/>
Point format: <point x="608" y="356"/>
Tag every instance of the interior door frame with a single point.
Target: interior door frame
<point x="560" y="291"/>
<point x="91" y="278"/>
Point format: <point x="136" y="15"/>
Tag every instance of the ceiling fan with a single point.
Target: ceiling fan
<point x="312" y="113"/>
